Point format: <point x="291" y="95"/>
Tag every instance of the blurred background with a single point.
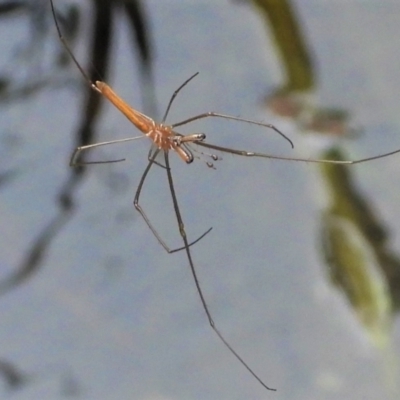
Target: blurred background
<point x="302" y="268"/>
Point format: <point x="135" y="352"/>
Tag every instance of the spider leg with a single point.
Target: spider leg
<point x="195" y="278"/>
<point x="146" y="218"/>
<point x="245" y="153"/>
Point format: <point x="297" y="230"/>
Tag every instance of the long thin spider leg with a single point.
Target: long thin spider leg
<point x="254" y="154"/>
<point x="74" y="158"/>
<point x="152" y="149"/>
<point x="175" y="94"/>
<point x="146" y="218"/>
<point x="65" y="43"/>
<point x="194" y="274"/>
<point x="217" y="115"/>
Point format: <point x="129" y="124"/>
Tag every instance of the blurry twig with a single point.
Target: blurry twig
<point x="98" y="67"/>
